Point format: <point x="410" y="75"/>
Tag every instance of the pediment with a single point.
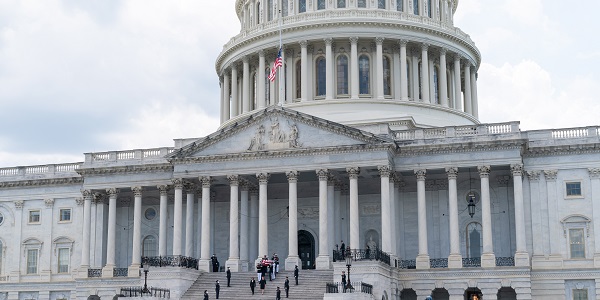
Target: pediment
<point x="278" y="129"/>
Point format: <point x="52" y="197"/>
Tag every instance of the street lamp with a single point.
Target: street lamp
<point x="145" y="267"/>
<point x="349" y="264"/>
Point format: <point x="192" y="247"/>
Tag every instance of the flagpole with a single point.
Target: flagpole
<point x="281" y="76"/>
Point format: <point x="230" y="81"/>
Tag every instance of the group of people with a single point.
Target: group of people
<point x="266" y="266"/>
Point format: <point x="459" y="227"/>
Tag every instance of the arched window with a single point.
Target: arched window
<point x="267" y="86"/>
<point x="416" y="7"/>
<point x="149" y="246"/>
<point x="257" y="13"/>
<point x="320" y="4"/>
<point x="400" y="5"/>
<point x="381" y="4"/>
<point x="387" y="76"/>
<point x="364" y="75"/>
<point x="474" y="240"/>
<point x="342" y="75"/>
<point x="420" y="67"/>
<point x="299" y="79"/>
<point x="362" y="3"/>
<point x="270" y="10"/>
<point x="302" y="6"/>
<point x="436" y="85"/>
<point x="341" y="4"/>
<point x="321" y="79"/>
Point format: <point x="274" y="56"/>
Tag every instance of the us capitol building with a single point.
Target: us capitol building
<point x="369" y="135"/>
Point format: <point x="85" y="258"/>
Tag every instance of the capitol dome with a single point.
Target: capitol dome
<point x="342" y="62"/>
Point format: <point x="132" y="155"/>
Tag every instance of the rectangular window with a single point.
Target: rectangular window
<point x="34" y="216"/>
<point x="32" y="261"/>
<point x="577" y="243"/>
<point x="573" y="189"/>
<point x="580" y="294"/>
<point x="63" y="260"/>
<point x="65" y="215"/>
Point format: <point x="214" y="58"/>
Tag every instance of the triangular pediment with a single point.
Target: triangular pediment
<point x="278" y="129"/>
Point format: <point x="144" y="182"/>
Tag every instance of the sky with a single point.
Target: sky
<point x="80" y="76"/>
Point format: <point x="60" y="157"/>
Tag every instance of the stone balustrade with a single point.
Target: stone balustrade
<point x="127" y="156"/>
<point x="510" y="129"/>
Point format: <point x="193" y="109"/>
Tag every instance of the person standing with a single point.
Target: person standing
<point x="205" y="295"/>
<point x="217" y="289"/>
<point x="343" y="248"/>
<point x="286" y="286"/>
<point x="259" y="271"/>
<point x="263" y="283"/>
<point x="228" y="277"/>
<point x="344" y="280"/>
<point x="252" y="285"/>
<point x="296" y="274"/>
<point x="278" y="294"/>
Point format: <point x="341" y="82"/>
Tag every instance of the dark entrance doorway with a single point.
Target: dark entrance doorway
<point x="306" y="249"/>
<point x="470" y="294"/>
<point x="507" y="293"/>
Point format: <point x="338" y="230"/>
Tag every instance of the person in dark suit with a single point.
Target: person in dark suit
<point x="252" y="285"/>
<point x="343" y="249"/>
<point x="286" y="286"/>
<point x="344" y="280"/>
<point x="296" y="274"/>
<point x="263" y="283"/>
<point x="278" y="294"/>
<point x="217" y="289"/>
<point x="205" y="295"/>
<point x="228" y="277"/>
<point x="270" y="272"/>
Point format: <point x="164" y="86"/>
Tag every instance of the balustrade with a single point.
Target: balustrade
<point x="171" y="261"/>
<point x="94" y="273"/>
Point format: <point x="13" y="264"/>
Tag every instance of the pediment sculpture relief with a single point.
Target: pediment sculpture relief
<point x="278" y="137"/>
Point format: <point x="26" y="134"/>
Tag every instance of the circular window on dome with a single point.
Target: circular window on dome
<point x="150" y="213"/>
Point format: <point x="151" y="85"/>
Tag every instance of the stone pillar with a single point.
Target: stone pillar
<point x="521" y="255"/>
<point x="205" y="264"/>
<point x="555" y="258"/>
<point x="403" y="71"/>
<point x="234" y="92"/>
<point x="323" y="259"/>
<point x="536" y="217"/>
<point x="396" y="90"/>
<point x="468" y="102"/>
<point x="488" y="259"/>
<point x="263" y="215"/>
<point x="136" y="253"/>
<point x="331" y="213"/>
<point x="443" y="79"/>
<point x="432" y="86"/>
<point x="226" y="97"/>
<point x="244" y="225"/>
<point x="253" y="252"/>
<point x="423" y="256"/>
<point x="425" y="74"/>
<point x="415" y="75"/>
<point x="107" y="271"/>
<point x="177" y="216"/>
<point x="189" y="220"/>
<point x="260" y="90"/>
<point x="246" y="85"/>
<point x="457" y="85"/>
<point x="199" y="222"/>
<point x="393" y="212"/>
<point x="354" y="68"/>
<point x="354" y="242"/>
<point x="329" y="69"/>
<point x="474" y="97"/>
<point x="303" y="73"/>
<point x="379" y="68"/>
<point x="594" y="174"/>
<point x="163" y="215"/>
<point x="386" y="234"/>
<point x="455" y="257"/>
<point x="85" y="239"/>
<point x="234" y="251"/>
<point x="293" y="259"/>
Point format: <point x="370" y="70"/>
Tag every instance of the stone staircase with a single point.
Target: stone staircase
<point x="311" y="285"/>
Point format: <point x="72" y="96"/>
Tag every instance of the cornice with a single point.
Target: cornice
<point x="42" y="182"/>
<point x="563" y="150"/>
<point x="460" y="147"/>
<point x="131" y="169"/>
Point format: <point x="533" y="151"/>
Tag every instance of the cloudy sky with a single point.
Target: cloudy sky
<point x="82" y="76"/>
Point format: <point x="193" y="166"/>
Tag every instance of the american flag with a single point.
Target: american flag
<point x="277" y="64"/>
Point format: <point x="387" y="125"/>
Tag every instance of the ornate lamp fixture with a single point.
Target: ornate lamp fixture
<point x="471" y="196"/>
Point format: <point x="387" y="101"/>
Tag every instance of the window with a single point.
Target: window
<point x="436" y="87"/>
<point x="267" y="86"/>
<point x="364" y="75"/>
<point x="573" y="189"/>
<point x="341" y="4"/>
<point x="381" y="4"/>
<point x="34" y="216"/>
<point x="320" y="4"/>
<point x="474" y="240"/>
<point x="149" y="246"/>
<point x="270" y="10"/>
<point x="1" y="218"/>
<point x="580" y="294"/>
<point x="258" y="13"/>
<point x="387" y="76"/>
<point x="362" y="3"/>
<point x="342" y="75"/>
<point x="321" y="76"/>
<point x="64" y="215"/>
<point x="284" y="8"/>
<point x="416" y="7"/>
<point x="299" y="79"/>
<point x="577" y="243"/>
<point x="302" y="6"/>
<point x="63" y="260"/>
<point x="400" y="5"/>
<point x="429" y="10"/>
<point x="150" y="214"/>
<point x="32" y="261"/>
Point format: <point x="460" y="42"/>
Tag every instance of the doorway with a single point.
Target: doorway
<point x="306" y="249"/>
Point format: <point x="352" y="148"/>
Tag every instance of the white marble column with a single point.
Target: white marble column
<point x="339" y="214"/>
<point x="163" y="217"/>
<point x="177" y="216"/>
<point x="260" y="89"/>
<point x="198" y="195"/>
<point x="379" y="68"/>
<point x="136" y="252"/>
<point x="331" y="212"/>
<point x="293" y="259"/>
<point x="457" y="85"/>
<point x="323" y="259"/>
<point x="244" y="226"/>
<point x="403" y="71"/>
<point x="521" y="255"/>
<point x="107" y="271"/>
<point x="594" y="174"/>
<point x="555" y="257"/>
<point x="85" y="238"/>
<point x="354" y="242"/>
<point x="303" y="73"/>
<point x="253" y="244"/>
<point x="263" y="215"/>
<point x="423" y="256"/>
<point x="488" y="259"/>
<point x="474" y="97"/>
<point x="226" y="96"/>
<point x="329" y="85"/>
<point x="536" y="216"/>
<point x="415" y="75"/>
<point x="425" y="74"/>
<point x="246" y="85"/>
<point x="443" y="79"/>
<point x="354" y="68"/>
<point x="205" y="264"/>
<point x="396" y="90"/>
<point x="386" y="234"/>
<point x="234" y="92"/>
<point x="468" y="102"/>
<point x="233" y="261"/>
<point x="189" y="219"/>
<point x="455" y="257"/>
<point x="432" y="86"/>
<point x="393" y="213"/>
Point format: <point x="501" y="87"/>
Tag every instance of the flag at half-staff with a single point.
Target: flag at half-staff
<point x="276" y="65"/>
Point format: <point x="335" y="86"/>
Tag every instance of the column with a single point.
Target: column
<point x="292" y="260"/>
<point x="455" y="257"/>
<point x="303" y="74"/>
<point x="415" y="75"/>
<point x="425" y="74"/>
<point x="85" y="239"/>
<point x="536" y="217"/>
<point x="205" y="264"/>
<point x="488" y="259"/>
<point x="198" y="195"/>
<point x="234" y="92"/>
<point x="263" y="215"/>
<point x="457" y="85"/>
<point x="253" y="252"/>
<point x="443" y="79"/>
<point x="289" y="71"/>
<point x="354" y="68"/>
<point x="423" y="256"/>
<point x="163" y="217"/>
<point x="323" y="259"/>
<point x="260" y="91"/>
<point x="397" y="90"/>
<point x="403" y="71"/>
<point x="331" y="213"/>
<point x="329" y="69"/>
<point x="521" y="255"/>
<point x="354" y="242"/>
<point x="244" y="226"/>
<point x="136" y="253"/>
<point x="246" y="85"/>
<point x="233" y="261"/>
<point x="227" y="97"/>
<point x="594" y="174"/>
<point x="107" y="271"/>
<point x="177" y="216"/>
<point x="468" y="103"/>
<point x="339" y="214"/>
<point x="379" y="68"/>
<point x="189" y="219"/>
<point x="222" y="119"/>
<point x="474" y="100"/>
<point x="386" y="239"/>
<point x="432" y="81"/>
<point x="393" y="213"/>
<point x="554" y="226"/>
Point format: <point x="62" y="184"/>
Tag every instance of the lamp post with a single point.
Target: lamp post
<point x="145" y="289"/>
<point x="471" y="205"/>
<point x="349" y="264"/>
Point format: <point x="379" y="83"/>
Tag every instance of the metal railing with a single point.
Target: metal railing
<point x="438" y="263"/>
<point x="94" y="273"/>
<point x="505" y="261"/>
<point x="362" y="254"/>
<point x="139" y="292"/>
<point x="471" y="262"/>
<point x="120" y="272"/>
<point x="407" y="264"/>
<point x="353" y="287"/>
<point x="171" y="261"/>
